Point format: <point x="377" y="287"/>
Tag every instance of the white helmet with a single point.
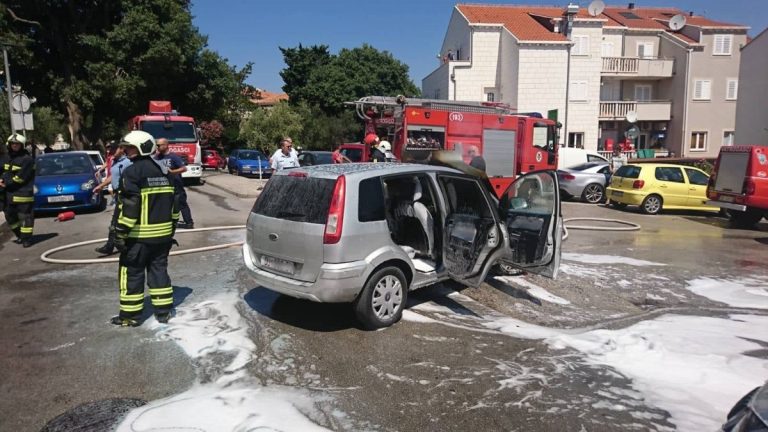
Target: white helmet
<point x="385" y="146"/>
<point x="19" y="138"/>
<point x="143" y="141"/>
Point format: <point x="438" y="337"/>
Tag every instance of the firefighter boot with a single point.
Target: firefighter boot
<point x="17" y="233"/>
<point x="124" y="322"/>
<point x="163" y="317"/>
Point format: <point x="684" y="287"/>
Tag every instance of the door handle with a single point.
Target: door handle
<point x="693" y="189"/>
<point x="663" y="186"/>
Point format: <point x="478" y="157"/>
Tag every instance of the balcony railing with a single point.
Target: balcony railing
<point x="634" y="67"/>
<point x="645" y="110"/>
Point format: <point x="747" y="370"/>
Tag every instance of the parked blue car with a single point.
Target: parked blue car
<point x="65" y="181"/>
<point x="248" y="162"/>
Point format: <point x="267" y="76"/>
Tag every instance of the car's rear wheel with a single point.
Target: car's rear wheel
<point x="745" y="219"/>
<point x="651" y="204"/>
<point x="593" y="193"/>
<point x="382" y="300"/>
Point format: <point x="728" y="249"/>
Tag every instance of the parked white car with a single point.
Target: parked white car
<point x="568" y="157"/>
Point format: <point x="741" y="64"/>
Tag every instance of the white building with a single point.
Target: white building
<point x="752" y="107"/>
<point x="680" y="84"/>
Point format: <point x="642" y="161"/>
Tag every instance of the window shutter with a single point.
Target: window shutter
<point x="732" y="90"/>
<point x="702" y="89"/>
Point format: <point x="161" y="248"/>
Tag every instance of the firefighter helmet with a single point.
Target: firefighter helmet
<point x="19" y="138"/>
<point x="143" y="141"/>
<point x="385" y="146"/>
<point x="370" y="139"/>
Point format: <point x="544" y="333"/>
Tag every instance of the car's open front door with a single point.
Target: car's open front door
<point x="530" y="212"/>
<point x="471" y="236"/>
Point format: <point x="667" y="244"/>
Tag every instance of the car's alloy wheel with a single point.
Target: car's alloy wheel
<point x="651" y="204"/>
<point x="382" y="300"/>
<point x="593" y="193"/>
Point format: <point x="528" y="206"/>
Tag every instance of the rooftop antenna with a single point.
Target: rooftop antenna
<point x="677" y="22"/>
<point x="596" y="8"/>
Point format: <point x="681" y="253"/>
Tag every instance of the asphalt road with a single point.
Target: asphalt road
<point x="446" y="366"/>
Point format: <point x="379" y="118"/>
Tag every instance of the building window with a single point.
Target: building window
<point x="490" y="97"/>
<point x="722" y="44"/>
<point x="437" y="93"/>
<point x="580" y="45"/>
<point x="576" y="139"/>
<point x="606" y="49"/>
<point x="732" y="89"/>
<point x="702" y="90"/>
<point x="699" y="141"/>
<point x="728" y="138"/>
<point x="645" y="50"/>
<point x="578" y="91"/>
<point x="643" y="92"/>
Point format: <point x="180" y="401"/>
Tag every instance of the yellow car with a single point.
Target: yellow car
<point x="654" y="187"/>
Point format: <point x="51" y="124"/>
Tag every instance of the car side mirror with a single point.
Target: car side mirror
<point x="518" y="203"/>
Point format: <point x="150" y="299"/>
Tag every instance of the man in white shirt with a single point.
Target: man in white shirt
<point x="285" y="157"/>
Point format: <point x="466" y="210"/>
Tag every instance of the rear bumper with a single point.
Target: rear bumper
<point x="336" y="283"/>
<point x="82" y="201"/>
<point x="729" y="206"/>
<point x="625" y="197"/>
<point x="193" y="171"/>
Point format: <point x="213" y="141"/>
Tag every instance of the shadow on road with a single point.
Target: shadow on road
<point x="513" y="291"/>
<point x="438" y="294"/>
<point x="39" y="238"/>
<point x="305" y="314"/>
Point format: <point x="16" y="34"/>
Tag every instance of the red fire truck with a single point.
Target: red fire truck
<point x="181" y="131"/>
<point x="739" y="183"/>
<point x="511" y="143"/>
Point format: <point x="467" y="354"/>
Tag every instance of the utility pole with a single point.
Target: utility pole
<point x="8" y="86"/>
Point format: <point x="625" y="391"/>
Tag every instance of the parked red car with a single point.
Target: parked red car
<point x="213" y="160"/>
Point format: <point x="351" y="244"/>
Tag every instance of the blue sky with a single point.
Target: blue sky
<point x="412" y="30"/>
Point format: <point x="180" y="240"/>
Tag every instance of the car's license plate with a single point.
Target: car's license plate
<point x="273" y="263"/>
<point x="618" y="193"/>
<point x="246" y="171"/>
<point x="61" y="198"/>
<point x="725" y="198"/>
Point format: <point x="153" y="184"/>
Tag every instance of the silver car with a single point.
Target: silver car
<point x="369" y="233"/>
<point x="587" y="181"/>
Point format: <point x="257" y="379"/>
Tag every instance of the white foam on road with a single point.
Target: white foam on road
<point x="745" y="292"/>
<point x="607" y="259"/>
<point x="533" y="289"/>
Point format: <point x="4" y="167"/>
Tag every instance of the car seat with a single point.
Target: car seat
<point x="415" y="209"/>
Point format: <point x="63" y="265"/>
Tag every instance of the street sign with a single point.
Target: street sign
<point x="632" y="132"/>
<point x="22" y="121"/>
<point x="20" y="102"/>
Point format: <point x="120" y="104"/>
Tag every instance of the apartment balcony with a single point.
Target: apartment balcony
<point x="646" y="111"/>
<point x="637" y="68"/>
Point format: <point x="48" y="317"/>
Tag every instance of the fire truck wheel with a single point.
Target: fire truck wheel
<point x="593" y="193"/>
<point x="651" y="204"/>
<point x="745" y="219"/>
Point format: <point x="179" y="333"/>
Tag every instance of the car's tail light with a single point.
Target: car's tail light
<point x="638" y="184"/>
<point x="566" y="176"/>
<point x="335" y="221"/>
<point x="297" y="174"/>
<point x="749" y="187"/>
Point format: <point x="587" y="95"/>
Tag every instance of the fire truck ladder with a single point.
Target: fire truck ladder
<point x="379" y="104"/>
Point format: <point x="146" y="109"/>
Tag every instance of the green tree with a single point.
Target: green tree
<point x="48" y="123"/>
<point x="348" y="76"/>
<point x="265" y="127"/>
<point x="101" y="61"/>
<point x="321" y="131"/>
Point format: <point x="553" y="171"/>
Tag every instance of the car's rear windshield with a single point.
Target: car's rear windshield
<point x="299" y="199"/>
<point x="628" y="171"/>
<point x="323" y="158"/>
<point x="251" y="155"/>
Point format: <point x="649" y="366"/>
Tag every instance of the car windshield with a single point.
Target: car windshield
<point x="64" y="165"/>
<point x="323" y="158"/>
<point x="173" y="131"/>
<point x="355" y="155"/>
<point x="96" y="159"/>
<point x="251" y="155"/>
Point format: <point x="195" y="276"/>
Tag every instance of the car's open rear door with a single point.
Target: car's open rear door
<point x="530" y="213"/>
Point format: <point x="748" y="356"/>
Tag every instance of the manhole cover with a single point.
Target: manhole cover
<point x="93" y="416"/>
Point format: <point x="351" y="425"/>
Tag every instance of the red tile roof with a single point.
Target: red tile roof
<point x="522" y="21"/>
<point x="265" y="98"/>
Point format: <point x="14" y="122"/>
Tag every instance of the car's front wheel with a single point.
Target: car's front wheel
<point x="593" y="193"/>
<point x="382" y="300"/>
<point x="651" y="204"/>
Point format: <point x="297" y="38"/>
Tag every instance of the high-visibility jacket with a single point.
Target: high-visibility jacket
<point x="147" y="203"/>
<point x="19" y="177"/>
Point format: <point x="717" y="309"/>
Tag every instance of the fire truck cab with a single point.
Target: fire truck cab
<point x="510" y="143"/>
<point x="162" y="121"/>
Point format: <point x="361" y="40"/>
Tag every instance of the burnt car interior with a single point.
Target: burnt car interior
<point x="411" y="213"/>
<point x="528" y="218"/>
<point x="468" y="224"/>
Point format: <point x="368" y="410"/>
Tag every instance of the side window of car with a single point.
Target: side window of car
<point x="669" y="174"/>
<point x="370" y="204"/>
<point x="605" y="170"/>
<point x="697" y="177"/>
<point x="533" y="195"/>
<point x="464" y="196"/>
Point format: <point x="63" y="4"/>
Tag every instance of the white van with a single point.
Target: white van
<point x="568" y="157"/>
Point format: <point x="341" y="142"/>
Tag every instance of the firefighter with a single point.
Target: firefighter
<point x="18" y="181"/>
<point x="148" y="214"/>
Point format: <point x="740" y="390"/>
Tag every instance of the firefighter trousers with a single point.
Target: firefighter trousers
<point x="20" y="218"/>
<point x="138" y="260"/>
